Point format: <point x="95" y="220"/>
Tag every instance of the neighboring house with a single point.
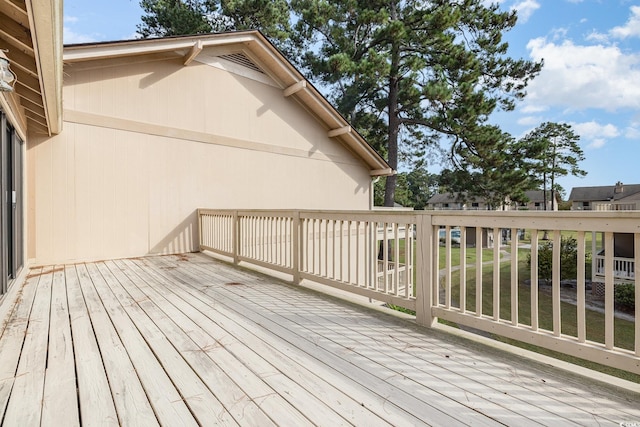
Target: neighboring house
<point x="537" y="201"/>
<point x="152" y="130"/>
<point x="451" y="201"/>
<point x="619" y="197"/>
<point x="607" y="197"/>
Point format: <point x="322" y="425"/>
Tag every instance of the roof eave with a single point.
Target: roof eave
<point x="46" y="29"/>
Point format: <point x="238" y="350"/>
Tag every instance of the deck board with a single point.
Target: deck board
<point x="60" y="404"/>
<point x="25" y="403"/>
<point x="187" y="340"/>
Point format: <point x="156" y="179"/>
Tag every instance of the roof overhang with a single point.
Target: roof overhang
<point x="31" y="32"/>
<point x="255" y="46"/>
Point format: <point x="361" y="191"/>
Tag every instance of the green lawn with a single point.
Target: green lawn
<point x="624" y="336"/>
<point x="625" y="332"/>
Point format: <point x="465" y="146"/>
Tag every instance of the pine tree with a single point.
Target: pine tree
<point x="553" y="151"/>
<point x="431" y="72"/>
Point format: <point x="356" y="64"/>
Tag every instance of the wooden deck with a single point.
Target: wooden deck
<point x="186" y="340"/>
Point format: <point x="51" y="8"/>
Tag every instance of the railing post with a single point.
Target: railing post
<point x="199" y="212"/>
<point x="296" y="247"/>
<point x="424" y="270"/>
<point x="235" y="230"/>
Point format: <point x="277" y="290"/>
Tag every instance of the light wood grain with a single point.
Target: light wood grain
<point x="185" y="340"/>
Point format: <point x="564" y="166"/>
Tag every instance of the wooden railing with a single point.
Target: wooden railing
<point x="398" y="258"/>
<point x="616" y="206"/>
<point x="623" y="268"/>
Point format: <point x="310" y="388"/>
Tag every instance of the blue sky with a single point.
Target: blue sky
<point x="591" y="78"/>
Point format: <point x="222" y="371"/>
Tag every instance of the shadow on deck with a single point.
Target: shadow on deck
<point x="187" y="340"/>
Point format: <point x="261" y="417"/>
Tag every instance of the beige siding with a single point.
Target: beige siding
<point x="145" y="145"/>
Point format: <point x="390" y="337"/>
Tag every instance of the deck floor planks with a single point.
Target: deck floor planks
<point x="94" y="394"/>
<point x="13" y="336"/>
<point x="255" y="336"/>
<point x="269" y="361"/>
<point x="60" y="403"/>
<point x="499" y="398"/>
<point x="425" y="403"/>
<point x="162" y="323"/>
<point x="544" y="400"/>
<point x="165" y="399"/>
<point x="204" y="406"/>
<point x="243" y="391"/>
<point x="193" y="357"/>
<point x="558" y="400"/>
<point x="129" y="397"/>
<point x="25" y="403"/>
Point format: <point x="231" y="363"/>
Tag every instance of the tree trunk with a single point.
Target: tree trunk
<point x="394" y="120"/>
<point x="553" y="172"/>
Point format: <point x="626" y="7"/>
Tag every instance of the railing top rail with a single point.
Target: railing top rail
<point x="615" y="221"/>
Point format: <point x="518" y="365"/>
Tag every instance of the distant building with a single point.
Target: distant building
<point x="451" y="201"/>
<point x="537" y="201"/>
<point x="608" y="197"/>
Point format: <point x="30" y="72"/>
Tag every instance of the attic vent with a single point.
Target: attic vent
<point x="241" y="59"/>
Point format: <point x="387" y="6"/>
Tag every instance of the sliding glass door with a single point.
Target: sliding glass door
<point x="11" y="209"/>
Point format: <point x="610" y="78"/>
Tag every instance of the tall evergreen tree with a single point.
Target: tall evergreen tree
<point x="182" y="17"/>
<point x="552" y="150"/>
<point x="430" y="71"/>
<point x="492" y="166"/>
<point x="165" y="18"/>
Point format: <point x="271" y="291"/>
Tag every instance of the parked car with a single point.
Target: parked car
<point x="455" y="235"/>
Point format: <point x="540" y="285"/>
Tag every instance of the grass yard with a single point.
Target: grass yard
<point x="595" y="321"/>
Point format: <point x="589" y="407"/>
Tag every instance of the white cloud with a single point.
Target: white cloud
<point x="597" y="143"/>
<point x="578" y="77"/>
<point x="595" y="134"/>
<point x="632" y="132"/>
<point x="71" y="37"/>
<point x="597" y="37"/>
<point x="532" y="108"/>
<point x="631" y="28"/>
<point x="525" y="9"/>
<point x="70" y="19"/>
<point x="529" y="121"/>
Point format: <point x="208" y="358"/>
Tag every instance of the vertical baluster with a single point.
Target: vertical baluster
<point x="478" y="271"/>
<point x="385" y="258"/>
<point x="408" y="260"/>
<point x="514" y="277"/>
<point x="395" y="282"/>
<point x="496" y="273"/>
<point x="608" y="291"/>
<point x="636" y="261"/>
<point x="334" y="242"/>
<point x="349" y="259"/>
<point x="580" y="286"/>
<point x="341" y="245"/>
<point x="534" y="279"/>
<point x="463" y="269"/>
<point x="447" y="267"/>
<point x="435" y="262"/>
<point x="555" y="284"/>
<point x="358" y="266"/>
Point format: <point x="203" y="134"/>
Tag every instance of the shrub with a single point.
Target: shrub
<point x="625" y="296"/>
<point x="568" y="259"/>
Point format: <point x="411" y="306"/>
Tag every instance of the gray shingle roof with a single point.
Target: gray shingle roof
<point x="602" y="193"/>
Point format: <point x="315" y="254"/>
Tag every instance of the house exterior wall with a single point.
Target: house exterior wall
<point x="145" y="144"/>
